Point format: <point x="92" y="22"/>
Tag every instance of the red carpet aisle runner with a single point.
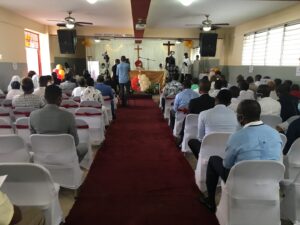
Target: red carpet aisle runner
<point x="139" y="177"/>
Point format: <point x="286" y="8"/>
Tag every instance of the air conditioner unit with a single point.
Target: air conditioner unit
<point x="140" y="26"/>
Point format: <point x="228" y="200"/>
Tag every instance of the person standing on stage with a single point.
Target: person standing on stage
<point x="171" y="65"/>
<point x="123" y="73"/>
<point x="186" y="68"/>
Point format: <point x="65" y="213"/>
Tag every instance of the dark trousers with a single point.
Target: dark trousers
<point x="215" y="170"/>
<point x="172" y="118"/>
<point x="163" y="104"/>
<point x="124" y="92"/>
<point x="195" y="145"/>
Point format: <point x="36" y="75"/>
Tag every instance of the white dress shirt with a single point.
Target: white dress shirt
<point x="234" y="104"/>
<point x="186" y="69"/>
<point x="246" y="95"/>
<point x="269" y="106"/>
<point x="218" y="119"/>
<point x="13" y="93"/>
<point x="274" y="95"/>
<point x="40" y="91"/>
<point x="214" y="93"/>
<point x="77" y="91"/>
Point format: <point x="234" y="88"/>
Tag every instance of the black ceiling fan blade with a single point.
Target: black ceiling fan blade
<point x="83" y="23"/>
<point x="61" y="24"/>
<point x="220" y="24"/>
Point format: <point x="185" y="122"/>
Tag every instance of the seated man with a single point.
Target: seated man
<point x="67" y="86"/>
<point x="106" y="90"/>
<point x="40" y="91"/>
<point x="182" y="100"/>
<point x="268" y="105"/>
<point x="218" y="119"/>
<point x="203" y="102"/>
<point x="292" y="134"/>
<point x="90" y="93"/>
<point x="27" y="99"/>
<point x="255" y="141"/>
<point x="53" y="120"/>
<point x="172" y="88"/>
<point x="289" y="104"/>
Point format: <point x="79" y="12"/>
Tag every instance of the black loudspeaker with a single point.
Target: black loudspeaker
<point x="208" y="44"/>
<point x="67" y="41"/>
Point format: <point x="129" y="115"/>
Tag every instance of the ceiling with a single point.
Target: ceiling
<point x="170" y="13"/>
<point x="161" y="14"/>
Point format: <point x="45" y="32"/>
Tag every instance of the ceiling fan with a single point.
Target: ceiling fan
<point x="69" y="22"/>
<point x="207" y="24"/>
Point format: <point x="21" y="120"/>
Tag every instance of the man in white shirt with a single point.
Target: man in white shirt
<point x="235" y="92"/>
<point x="40" y="91"/>
<point x="186" y="68"/>
<point x="245" y="93"/>
<point x="218" y="119"/>
<point x="196" y="67"/>
<point x="268" y="105"/>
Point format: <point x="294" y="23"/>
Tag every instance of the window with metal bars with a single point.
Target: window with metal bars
<point x="277" y="46"/>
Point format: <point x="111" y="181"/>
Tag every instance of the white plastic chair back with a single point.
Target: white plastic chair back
<point x="5" y="114"/>
<point x="168" y="106"/>
<point x="179" y="118"/>
<point x="2" y="98"/>
<point x="23" y="130"/>
<point x="30" y="184"/>
<point x="292" y="160"/>
<point x="107" y="104"/>
<point x="94" y="118"/>
<point x="19" y="112"/>
<point x="212" y="144"/>
<point x="251" y="194"/>
<point x="7" y="104"/>
<point x="271" y="120"/>
<point x="91" y="104"/>
<point x="69" y="105"/>
<point x="190" y="131"/>
<point x="58" y="154"/>
<point x="5" y="127"/>
<point x="76" y="99"/>
<point x="290" y="203"/>
<point x="13" y="149"/>
<point x="84" y="142"/>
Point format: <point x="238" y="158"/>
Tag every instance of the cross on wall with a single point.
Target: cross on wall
<point x="169" y="44"/>
<point x="138" y="51"/>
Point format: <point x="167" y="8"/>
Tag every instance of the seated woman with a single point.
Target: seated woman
<point x="15" y="90"/>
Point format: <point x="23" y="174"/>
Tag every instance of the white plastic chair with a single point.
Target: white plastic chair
<point x="107" y="104"/>
<point x="5" y="114"/>
<point x="76" y="99"/>
<point x="69" y="105"/>
<point x="5" y="127"/>
<point x="179" y="118"/>
<point x="58" y="154"/>
<point x="251" y="194"/>
<point x="94" y="118"/>
<point x="30" y="184"/>
<point x="212" y="144"/>
<point x="23" y="130"/>
<point x="290" y="203"/>
<point x="84" y="142"/>
<point x="96" y="105"/>
<point x="2" y="98"/>
<point x="19" y="112"/>
<point x="13" y="149"/>
<point x="7" y="104"/>
<point x="190" y="131"/>
<point x="168" y="105"/>
<point x="271" y="120"/>
<point x="292" y="161"/>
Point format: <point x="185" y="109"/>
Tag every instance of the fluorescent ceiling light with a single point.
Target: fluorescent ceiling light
<point x="92" y="1"/>
<point x="206" y="28"/>
<point x="97" y="40"/>
<point x="178" y="42"/>
<point x="186" y="2"/>
<point x="70" y="25"/>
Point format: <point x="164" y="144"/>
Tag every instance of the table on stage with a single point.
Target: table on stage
<point x="154" y="76"/>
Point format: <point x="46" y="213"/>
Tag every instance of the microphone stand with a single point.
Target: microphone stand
<point x="148" y="61"/>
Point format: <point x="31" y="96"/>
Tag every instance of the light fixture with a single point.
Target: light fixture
<point x="97" y="40"/>
<point x="92" y="1"/>
<point x="177" y="42"/>
<point x="70" y="25"/>
<point x="186" y="2"/>
<point x="206" y="28"/>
